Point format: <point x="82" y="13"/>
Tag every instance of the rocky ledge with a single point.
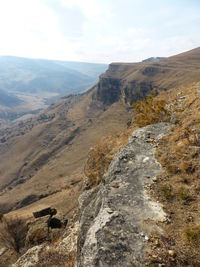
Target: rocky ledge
<point x="118" y="216"/>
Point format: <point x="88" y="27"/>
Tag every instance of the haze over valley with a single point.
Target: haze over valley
<point x="30" y="85"/>
<point x="99" y="161"/>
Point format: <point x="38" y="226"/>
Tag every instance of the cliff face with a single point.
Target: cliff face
<point x="112" y="88"/>
<point x="118" y="216"/>
<point x="130" y="82"/>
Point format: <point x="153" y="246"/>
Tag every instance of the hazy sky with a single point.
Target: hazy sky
<point x="98" y="30"/>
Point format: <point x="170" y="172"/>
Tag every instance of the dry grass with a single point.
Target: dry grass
<point x="166" y="191"/>
<point x="53" y="258"/>
<point x="15" y="230"/>
<point x="192" y="234"/>
<point x="101" y="155"/>
<point x="179" y="154"/>
<point x="184" y="194"/>
<point x="151" y="110"/>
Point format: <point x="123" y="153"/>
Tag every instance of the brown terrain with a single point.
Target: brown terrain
<point x="46" y="154"/>
<point x="43" y="158"/>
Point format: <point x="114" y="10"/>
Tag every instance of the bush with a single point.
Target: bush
<point x="100" y="156"/>
<point x="192" y="234"/>
<point x="151" y="110"/>
<point x="166" y="191"/>
<point x="17" y="229"/>
<point x="184" y="194"/>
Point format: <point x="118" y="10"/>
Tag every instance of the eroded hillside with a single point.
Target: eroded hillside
<point x="43" y="161"/>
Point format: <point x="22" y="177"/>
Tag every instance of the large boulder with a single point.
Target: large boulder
<point x="46" y="227"/>
<point x="30" y="258"/>
<point x="38" y="231"/>
<point x="59" y="254"/>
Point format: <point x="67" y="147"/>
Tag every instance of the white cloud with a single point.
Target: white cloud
<point x="94" y="30"/>
<point x="90" y="8"/>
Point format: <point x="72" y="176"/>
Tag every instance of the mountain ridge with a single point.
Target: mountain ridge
<point x="44" y="159"/>
<point x="119" y="86"/>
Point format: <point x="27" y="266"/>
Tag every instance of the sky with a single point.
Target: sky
<point x="101" y="31"/>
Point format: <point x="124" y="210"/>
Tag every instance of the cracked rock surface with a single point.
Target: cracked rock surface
<point x="118" y="216"/>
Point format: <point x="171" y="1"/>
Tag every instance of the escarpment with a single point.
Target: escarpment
<point x="112" y="88"/>
<point x="43" y="160"/>
<point x="130" y="82"/>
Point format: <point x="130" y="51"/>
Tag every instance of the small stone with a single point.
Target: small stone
<point x="110" y="211"/>
<point x="142" y="234"/>
<point x="154" y="179"/>
<point x="190" y="219"/>
<point x="115" y="184"/>
<point x="145" y="159"/>
<point x="150" y="140"/>
<point x="157" y="244"/>
<point x="171" y="253"/>
<point x="146" y="238"/>
<point x="154" y="256"/>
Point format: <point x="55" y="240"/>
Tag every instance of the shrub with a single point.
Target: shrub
<point x="100" y="156"/>
<point x="187" y="167"/>
<point x="151" y="110"/>
<point x="172" y="169"/>
<point x="166" y="191"/>
<point x="184" y="194"/>
<point x="192" y="234"/>
<point x="17" y="229"/>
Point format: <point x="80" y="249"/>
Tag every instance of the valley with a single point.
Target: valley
<point x="28" y="86"/>
<point x="44" y="159"/>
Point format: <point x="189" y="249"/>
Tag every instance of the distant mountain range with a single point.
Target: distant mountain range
<point x="8" y="100"/>
<point x="22" y="77"/>
<point x="39" y="75"/>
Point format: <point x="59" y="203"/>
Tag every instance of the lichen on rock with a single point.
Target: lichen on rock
<point x="115" y="221"/>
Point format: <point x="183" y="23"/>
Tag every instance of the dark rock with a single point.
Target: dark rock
<point x="55" y="223"/>
<point x="44" y="212"/>
<point x="111" y="90"/>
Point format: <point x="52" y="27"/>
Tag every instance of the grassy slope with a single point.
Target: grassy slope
<point x="63" y="158"/>
<point x="55" y="151"/>
<point x="178" y="187"/>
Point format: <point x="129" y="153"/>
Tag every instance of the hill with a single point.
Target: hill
<point x="38" y="147"/>
<point x="39" y="75"/>
<point x="29" y="85"/>
<point x="43" y="158"/>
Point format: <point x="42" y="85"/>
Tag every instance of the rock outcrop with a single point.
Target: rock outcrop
<point x="113" y="89"/>
<point x="44" y="212"/>
<point x="45" y="227"/>
<point x="118" y="217"/>
<point x="58" y="254"/>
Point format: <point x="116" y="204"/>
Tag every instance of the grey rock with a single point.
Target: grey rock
<point x="112" y="219"/>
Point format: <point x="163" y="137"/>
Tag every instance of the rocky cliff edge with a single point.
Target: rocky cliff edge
<point x="118" y="217"/>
